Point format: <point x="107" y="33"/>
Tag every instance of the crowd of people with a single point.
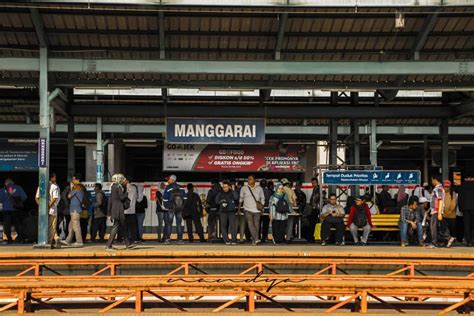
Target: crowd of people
<point x="435" y="215"/>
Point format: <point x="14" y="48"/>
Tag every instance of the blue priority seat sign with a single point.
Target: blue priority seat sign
<point x="372" y="177"/>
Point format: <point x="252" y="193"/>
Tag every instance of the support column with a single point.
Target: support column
<point x="311" y="162"/>
<point x="373" y="142"/>
<point x="444" y="132"/>
<point x="99" y="153"/>
<point x="71" y="154"/>
<point x="355" y="157"/>
<point x="44" y="134"/>
<point x="425" y="160"/>
<point x="333" y="142"/>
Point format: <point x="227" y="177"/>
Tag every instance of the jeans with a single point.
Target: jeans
<point x="141" y="221"/>
<point x="338" y="224"/>
<point x="119" y="225"/>
<point x="451" y="225"/>
<point x="439" y="230"/>
<point x="243" y="228"/>
<point x="278" y="231"/>
<point x="253" y="222"/>
<point x="74" y="229"/>
<point x="212" y="224"/>
<point x="468" y="217"/>
<point x="161" y="223"/>
<point x="169" y="225"/>
<point x="227" y="220"/>
<point x="98" y="226"/>
<point x="264" y="224"/>
<point x="131" y="221"/>
<point x="355" y="233"/>
<point x="84" y="223"/>
<point x="405" y="230"/>
<point x="196" y="219"/>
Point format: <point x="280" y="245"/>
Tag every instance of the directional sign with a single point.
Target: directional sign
<point x="372" y="177"/>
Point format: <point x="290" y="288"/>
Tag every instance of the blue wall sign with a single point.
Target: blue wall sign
<point x="371" y="177"/>
<point x="42" y="153"/>
<point x="18" y="156"/>
<point x="215" y="130"/>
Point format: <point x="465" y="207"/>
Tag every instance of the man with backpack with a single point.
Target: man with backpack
<point x="174" y="200"/>
<point x="212" y="210"/>
<point x="193" y="213"/>
<point x="99" y="216"/>
<point x="360" y="218"/>
<point x="12" y="198"/>
<point x="226" y="199"/>
<point x="332" y="216"/>
<point x="77" y="203"/>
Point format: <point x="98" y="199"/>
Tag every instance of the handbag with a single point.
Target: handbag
<point x="260" y="206"/>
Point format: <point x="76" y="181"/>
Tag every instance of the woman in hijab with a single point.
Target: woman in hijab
<point x="118" y="196"/>
<point x="279" y="209"/>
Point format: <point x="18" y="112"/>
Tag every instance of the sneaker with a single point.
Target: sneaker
<point x="323" y="243"/>
<point x="78" y="245"/>
<point x="227" y="242"/>
<point x="402" y="244"/>
<point x="180" y="242"/>
<point x="233" y="243"/>
<point x="166" y="242"/>
<point x="254" y="243"/>
<point x="431" y="246"/>
<point x="109" y="249"/>
<point x="356" y="243"/>
<point x="340" y="243"/>
<point x="65" y="243"/>
<point x="450" y="242"/>
<point x="363" y="243"/>
<point x="131" y="246"/>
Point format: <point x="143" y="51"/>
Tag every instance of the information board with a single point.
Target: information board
<point x="18" y="156"/>
<point x="372" y="177"/>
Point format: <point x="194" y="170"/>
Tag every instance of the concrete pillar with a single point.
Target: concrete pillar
<point x="71" y="154"/>
<point x="373" y="142"/>
<point x="444" y="132"/>
<point x="90" y="175"/>
<point x="115" y="157"/>
<point x="44" y="117"/>
<point x="311" y="155"/>
<point x="425" y="160"/>
<point x="333" y="142"/>
<point x="99" y="153"/>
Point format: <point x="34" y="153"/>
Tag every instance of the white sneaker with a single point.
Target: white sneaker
<point x="450" y="242"/>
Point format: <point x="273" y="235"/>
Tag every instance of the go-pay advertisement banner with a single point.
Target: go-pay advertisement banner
<point x="271" y="157"/>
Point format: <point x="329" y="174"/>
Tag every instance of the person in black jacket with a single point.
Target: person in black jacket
<point x="227" y="207"/>
<point x="193" y="213"/>
<point x="212" y="210"/>
<point x="466" y="206"/>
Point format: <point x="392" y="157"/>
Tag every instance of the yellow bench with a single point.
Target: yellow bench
<point x="383" y="222"/>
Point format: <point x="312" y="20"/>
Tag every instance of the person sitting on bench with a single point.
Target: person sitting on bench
<point x="360" y="217"/>
<point x="332" y="215"/>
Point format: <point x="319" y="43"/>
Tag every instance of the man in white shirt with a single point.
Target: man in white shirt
<point x="253" y="200"/>
<point x="54" y="198"/>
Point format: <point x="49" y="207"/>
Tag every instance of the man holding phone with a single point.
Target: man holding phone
<point x="332" y="215"/>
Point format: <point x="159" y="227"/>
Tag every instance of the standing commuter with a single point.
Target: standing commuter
<point x="116" y="207"/>
<point x="212" y="210"/>
<point x="253" y="201"/>
<point x="130" y="211"/>
<point x="174" y="200"/>
<point x="438" y="226"/>
<point x="279" y="205"/>
<point x="449" y="214"/>
<point x="193" y="213"/>
<point x="100" y="214"/>
<point x="311" y="215"/>
<point x="76" y="198"/>
<point x="288" y="188"/>
<point x="360" y="218"/>
<point x="140" y="209"/>
<point x="265" y="219"/>
<point x="466" y="206"/>
<point x="54" y="198"/>
<point x="244" y="233"/>
<point x="160" y="213"/>
<point x="226" y="199"/>
<point x="12" y="198"/>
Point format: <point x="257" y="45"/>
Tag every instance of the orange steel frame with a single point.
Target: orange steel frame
<point x="187" y="278"/>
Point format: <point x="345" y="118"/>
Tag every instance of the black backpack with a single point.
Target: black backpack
<point x="360" y="217"/>
<point x="177" y="200"/>
<point x="282" y="206"/>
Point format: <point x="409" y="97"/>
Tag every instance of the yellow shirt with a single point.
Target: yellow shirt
<point x="450" y="204"/>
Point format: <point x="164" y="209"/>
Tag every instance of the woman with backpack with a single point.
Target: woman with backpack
<point x="279" y="209"/>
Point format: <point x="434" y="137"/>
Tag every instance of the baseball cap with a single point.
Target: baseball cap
<point x="360" y="198"/>
<point x="423" y="200"/>
<point x="446" y="183"/>
<point x="284" y="181"/>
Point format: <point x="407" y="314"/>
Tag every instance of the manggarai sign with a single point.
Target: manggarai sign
<point x="215" y="131"/>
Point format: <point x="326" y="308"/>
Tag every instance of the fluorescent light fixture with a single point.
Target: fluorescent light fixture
<point x="139" y="141"/>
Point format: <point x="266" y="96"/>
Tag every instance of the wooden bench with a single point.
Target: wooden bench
<point x="383" y="222"/>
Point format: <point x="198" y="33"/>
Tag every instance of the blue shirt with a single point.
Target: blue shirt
<point x="15" y="191"/>
<point x="75" y="204"/>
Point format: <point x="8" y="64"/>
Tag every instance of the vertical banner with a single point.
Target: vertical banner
<point x="215" y="130"/>
<point x="42" y="153"/>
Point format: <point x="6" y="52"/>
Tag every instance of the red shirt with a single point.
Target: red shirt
<point x="353" y="211"/>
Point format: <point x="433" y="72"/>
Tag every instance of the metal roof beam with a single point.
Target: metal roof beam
<point x="275" y="130"/>
<point x="39" y="27"/>
<point x="241" y="67"/>
<point x="280" y="111"/>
